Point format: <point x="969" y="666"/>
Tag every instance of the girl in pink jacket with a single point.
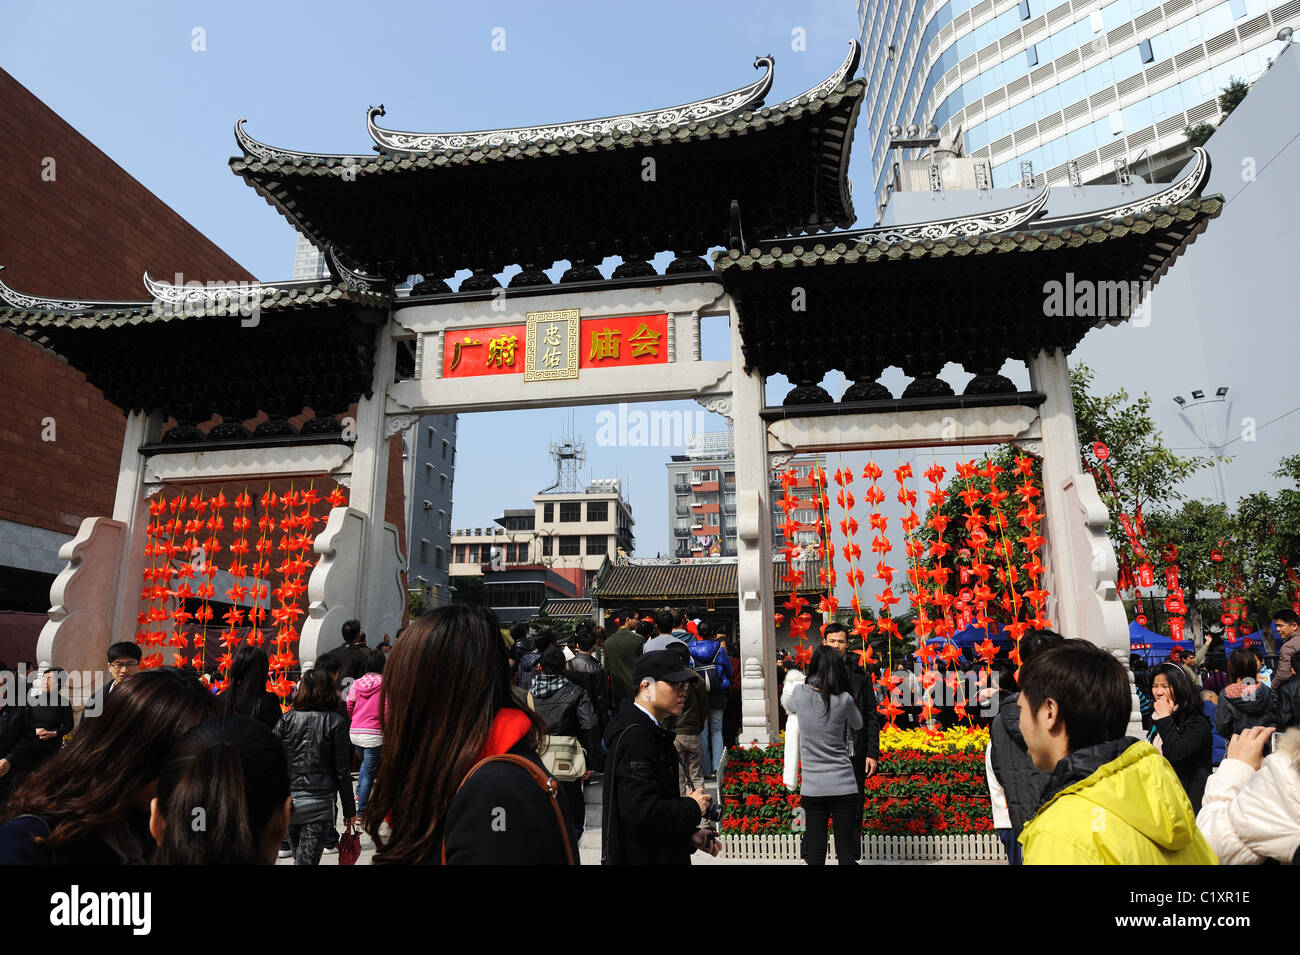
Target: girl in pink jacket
<point x="366" y="732"/>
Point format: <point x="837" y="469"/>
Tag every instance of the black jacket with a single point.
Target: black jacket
<point x="58" y="718"/>
<point x="566" y="709"/>
<point x="320" y="763"/>
<point x="502" y="817"/>
<point x="1241" y="707"/>
<point x="1023" y="784"/>
<point x="17" y="737"/>
<point x="866" y="741"/>
<point x="266" y="710"/>
<point x="586" y="671"/>
<point x="1189" y="749"/>
<point x="644" y="819"/>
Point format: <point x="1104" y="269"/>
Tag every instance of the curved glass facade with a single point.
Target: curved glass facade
<point x="1026" y="79"/>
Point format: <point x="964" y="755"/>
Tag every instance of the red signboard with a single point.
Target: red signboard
<point x="616" y="341"/>
<point x="623" y="340"/>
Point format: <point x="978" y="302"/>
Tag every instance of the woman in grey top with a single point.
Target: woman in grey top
<point x="828" y="790"/>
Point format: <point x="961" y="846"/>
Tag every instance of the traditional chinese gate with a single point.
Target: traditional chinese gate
<point x="686" y="179"/>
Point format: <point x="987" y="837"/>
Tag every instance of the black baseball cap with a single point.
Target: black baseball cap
<point x="660" y="665"/>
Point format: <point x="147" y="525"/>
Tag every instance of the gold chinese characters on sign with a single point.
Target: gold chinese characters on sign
<point x="551" y="345"/>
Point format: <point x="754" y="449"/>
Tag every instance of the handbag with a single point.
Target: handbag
<point x="564" y="758"/>
<point x="349" y="847"/>
<point x="547" y="783"/>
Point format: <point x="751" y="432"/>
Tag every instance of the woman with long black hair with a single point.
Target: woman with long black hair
<point x="448" y="708"/>
<point x="829" y="789"/>
<point x="247" y="694"/>
<point x="89" y="805"/>
<point x="316" y="740"/>
<point x="1180" y="730"/>
<point x="232" y="773"/>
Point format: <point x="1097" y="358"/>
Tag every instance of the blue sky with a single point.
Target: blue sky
<point x="128" y="77"/>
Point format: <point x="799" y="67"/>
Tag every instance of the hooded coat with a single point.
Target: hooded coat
<point x="1116" y="803"/>
<point x="1250" y="816"/>
<point x="567" y="711"/>
<point x="1241" y="706"/>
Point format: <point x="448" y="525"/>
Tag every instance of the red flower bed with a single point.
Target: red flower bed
<point x="913" y="793"/>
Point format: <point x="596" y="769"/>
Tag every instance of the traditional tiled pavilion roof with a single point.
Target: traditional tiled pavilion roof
<point x="435" y="203"/>
<point x="193" y="352"/>
<point x="568" y="608"/>
<point x="972" y="291"/>
<point x="697" y="579"/>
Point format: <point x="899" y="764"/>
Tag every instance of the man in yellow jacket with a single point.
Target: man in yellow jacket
<point x="1111" y="799"/>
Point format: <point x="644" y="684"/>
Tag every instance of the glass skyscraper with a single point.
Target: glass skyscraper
<point x="1087" y="80"/>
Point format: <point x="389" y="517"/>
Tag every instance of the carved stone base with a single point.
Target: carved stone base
<point x="808" y="393"/>
<point x="687" y="262"/>
<point x="531" y="275"/>
<point x="184" y="431"/>
<point x="581" y="271"/>
<point x="228" y="430"/>
<point x="990" y="385"/>
<point x="634" y="266"/>
<point x="274" y="426"/>
<point x="927" y="386"/>
<point x="480" y="281"/>
<point x="431" y="285"/>
<point x="867" y="391"/>
<point x="322" y="424"/>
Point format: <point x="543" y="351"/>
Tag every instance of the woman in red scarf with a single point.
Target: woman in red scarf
<point x="447" y="707"/>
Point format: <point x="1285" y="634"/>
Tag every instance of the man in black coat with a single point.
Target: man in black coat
<point x="17" y="733"/>
<point x="585" y="671"/>
<point x="644" y="819"/>
<point x="348" y="656"/>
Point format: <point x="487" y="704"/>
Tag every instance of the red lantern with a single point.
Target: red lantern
<point x="1141" y="620"/>
<point x="1174" y="605"/>
<point x="1169" y="553"/>
<point x="1100" y="451"/>
<point x="1216" y="555"/>
<point x="963" y="574"/>
<point x="1176" y="627"/>
<point x="1228" y="619"/>
<point x="1171" y="578"/>
<point x="1146" y="575"/>
<point x="966" y="595"/>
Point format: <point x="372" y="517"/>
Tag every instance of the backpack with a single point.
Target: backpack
<point x="564" y="758"/>
<point x="711" y="672"/>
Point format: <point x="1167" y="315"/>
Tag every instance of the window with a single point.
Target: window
<point x="570" y="512"/>
<point x="548" y="514"/>
<point x="444" y="449"/>
<point x="546" y="546"/>
<point x="1144" y="51"/>
<point x="428" y="473"/>
<point x="597" y="544"/>
<point x="424" y="551"/>
<point x="570" y="545"/>
<point x="1031" y="55"/>
<point x="429" y="435"/>
<point x="442" y="480"/>
<point x="441" y="560"/>
<point x="598" y="510"/>
<point x="1024" y="9"/>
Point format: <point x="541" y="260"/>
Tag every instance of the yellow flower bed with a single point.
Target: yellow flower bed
<point x="956" y="740"/>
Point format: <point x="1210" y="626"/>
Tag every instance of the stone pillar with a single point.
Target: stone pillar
<point x="753" y="551"/>
<point x="370" y="486"/>
<point x="1081" y="562"/>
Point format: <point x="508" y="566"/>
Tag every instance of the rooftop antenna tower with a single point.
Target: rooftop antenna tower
<point x="570" y="454"/>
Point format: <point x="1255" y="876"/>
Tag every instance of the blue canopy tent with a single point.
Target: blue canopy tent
<point x="1151" y="646"/>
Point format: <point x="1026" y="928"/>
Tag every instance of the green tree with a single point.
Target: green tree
<point x="1199" y="529"/>
<point x="1232" y="96"/>
<point x="1146" y="473"/>
<point x="1198" y="134"/>
<point x="467" y="591"/>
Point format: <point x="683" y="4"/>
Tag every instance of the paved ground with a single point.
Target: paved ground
<point x="589" y="847"/>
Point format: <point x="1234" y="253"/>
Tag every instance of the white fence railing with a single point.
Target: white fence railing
<point x="979" y="847"/>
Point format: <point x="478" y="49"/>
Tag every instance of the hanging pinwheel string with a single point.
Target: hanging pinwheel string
<point x="862" y="627"/>
<point x="800" y="621"/>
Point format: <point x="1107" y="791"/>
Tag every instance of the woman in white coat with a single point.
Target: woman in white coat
<point x="1251" y="809"/>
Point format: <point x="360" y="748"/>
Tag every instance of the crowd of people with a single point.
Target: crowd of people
<point x="472" y="745"/>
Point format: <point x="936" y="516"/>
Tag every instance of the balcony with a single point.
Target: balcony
<point x="681" y="487"/>
<point x="681" y="532"/>
<point x="682" y="510"/>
